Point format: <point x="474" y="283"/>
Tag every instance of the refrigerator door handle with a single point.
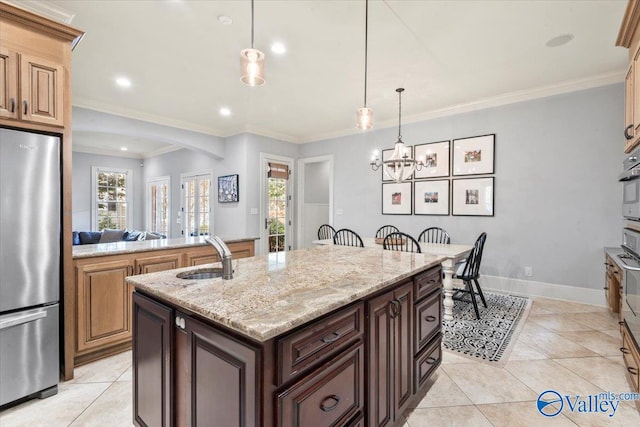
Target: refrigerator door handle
<point x="21" y="318"/>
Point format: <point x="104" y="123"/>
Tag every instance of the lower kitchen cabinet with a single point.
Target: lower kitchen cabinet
<point x="390" y="355"/>
<point x="612" y="284"/>
<point x="631" y="358"/>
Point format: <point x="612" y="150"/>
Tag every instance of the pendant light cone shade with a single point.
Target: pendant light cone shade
<point x="364" y="117"/>
<point x="400" y="166"/>
<point x="252" y="62"/>
<point x="252" y="66"/>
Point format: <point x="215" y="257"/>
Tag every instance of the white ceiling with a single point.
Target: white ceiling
<point x="450" y="56"/>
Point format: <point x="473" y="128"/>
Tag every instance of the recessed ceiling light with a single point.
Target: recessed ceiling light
<point x="224" y="111"/>
<point x="123" y="82"/>
<point x="278" y="48"/>
<point x="560" y="40"/>
<point x="124" y="149"/>
<point x="225" y="20"/>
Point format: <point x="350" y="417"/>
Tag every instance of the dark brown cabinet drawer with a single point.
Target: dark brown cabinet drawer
<point x="428" y="324"/>
<point x="427" y="282"/>
<point x="426" y="362"/>
<point x="300" y="350"/>
<point x="330" y="396"/>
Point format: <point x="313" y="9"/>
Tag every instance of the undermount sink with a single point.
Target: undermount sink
<point x="203" y="273"/>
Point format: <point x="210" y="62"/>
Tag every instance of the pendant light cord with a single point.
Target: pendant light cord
<point x="251" y="24"/>
<point x="366" y="44"/>
<point x="399" y="113"/>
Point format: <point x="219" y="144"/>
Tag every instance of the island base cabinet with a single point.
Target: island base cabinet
<point x="216" y="377"/>
<point x="332" y="396"/>
<point x="390" y="355"/>
<point x="152" y="346"/>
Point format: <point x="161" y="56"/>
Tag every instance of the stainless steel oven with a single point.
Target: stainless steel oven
<point x="630" y="260"/>
<point x="630" y="179"/>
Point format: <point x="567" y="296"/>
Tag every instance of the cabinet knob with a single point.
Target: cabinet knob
<point x="326" y="405"/>
<point x="626" y="132"/>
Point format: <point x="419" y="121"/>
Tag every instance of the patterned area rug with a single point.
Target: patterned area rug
<point x="492" y="337"/>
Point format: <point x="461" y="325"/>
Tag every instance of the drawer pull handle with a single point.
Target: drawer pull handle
<point x="331" y="338"/>
<point x="26" y="107"/>
<point x="329" y="408"/>
<point x="606" y="288"/>
<point x="627" y="135"/>
<point x="621" y="323"/>
<point x="430" y="360"/>
<point x="430" y="318"/>
<point x="624" y="350"/>
<point x="632" y="371"/>
<point x="12" y="102"/>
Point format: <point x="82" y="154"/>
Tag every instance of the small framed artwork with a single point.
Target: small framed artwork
<point x="473" y="196"/>
<point x="435" y="156"/>
<point x="431" y="197"/>
<point x="396" y="198"/>
<point x="474" y="156"/>
<point x="386" y="155"/>
<point x="228" y="189"/>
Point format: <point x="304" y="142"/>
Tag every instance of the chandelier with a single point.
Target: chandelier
<point x="400" y="165"/>
<point x="252" y="62"/>
<point x="364" y="116"/>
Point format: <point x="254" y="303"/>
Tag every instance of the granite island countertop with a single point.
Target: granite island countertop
<point x="272" y="294"/>
<point x="117" y="248"/>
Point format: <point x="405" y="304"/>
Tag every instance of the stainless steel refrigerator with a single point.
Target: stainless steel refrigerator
<point x="29" y="264"/>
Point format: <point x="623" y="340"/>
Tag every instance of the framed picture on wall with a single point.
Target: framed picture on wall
<point x="396" y="198"/>
<point x="386" y="155"/>
<point x="435" y="156"/>
<point x="474" y="156"/>
<point x="431" y="197"/>
<point x="228" y="189"/>
<point x="473" y="196"/>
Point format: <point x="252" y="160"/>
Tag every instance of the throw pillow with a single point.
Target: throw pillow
<point x="110" y="236"/>
<point x="152" y="236"/>
<point x="89" y="237"/>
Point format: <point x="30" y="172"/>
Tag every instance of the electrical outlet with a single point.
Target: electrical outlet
<point x="254" y="211"/>
<point x="177" y="220"/>
<point x="528" y="271"/>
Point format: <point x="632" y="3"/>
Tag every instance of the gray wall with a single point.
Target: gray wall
<point x="81" y="187"/>
<point x="557" y="201"/>
<point x="316" y="182"/>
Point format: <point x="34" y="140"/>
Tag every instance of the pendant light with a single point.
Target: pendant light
<point x="252" y="62"/>
<point x="365" y="114"/>
<point x="400" y="166"/>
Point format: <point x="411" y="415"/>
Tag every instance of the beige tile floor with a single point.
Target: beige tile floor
<point x="572" y="348"/>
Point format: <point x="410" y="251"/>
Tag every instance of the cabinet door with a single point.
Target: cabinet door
<point x="628" y="109"/>
<point x="380" y="361"/>
<point x="156" y="263"/>
<point x="403" y="347"/>
<point x="152" y="338"/>
<point x="636" y="96"/>
<point x="42" y="89"/>
<point x="8" y="83"/>
<point x="203" y="255"/>
<point x="223" y="377"/>
<point x="103" y="304"/>
<point x="242" y="249"/>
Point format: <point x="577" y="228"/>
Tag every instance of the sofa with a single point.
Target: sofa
<point x="109" y="236"/>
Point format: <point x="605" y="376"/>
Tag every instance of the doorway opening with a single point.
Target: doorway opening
<point x="315" y="197"/>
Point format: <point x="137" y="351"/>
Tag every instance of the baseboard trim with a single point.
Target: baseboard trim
<point x="545" y="290"/>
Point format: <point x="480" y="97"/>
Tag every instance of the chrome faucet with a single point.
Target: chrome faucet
<point x="224" y="254"/>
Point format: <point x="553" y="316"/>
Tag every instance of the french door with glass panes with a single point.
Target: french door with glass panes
<point x="158" y="203"/>
<point x="278" y="203"/>
<point x="196" y="204"/>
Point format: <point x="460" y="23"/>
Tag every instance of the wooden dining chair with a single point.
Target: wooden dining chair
<point x="326" y="232"/>
<point x="346" y="237"/>
<point x="434" y="235"/>
<point x="469" y="272"/>
<point x="385" y="230"/>
<point x="398" y="241"/>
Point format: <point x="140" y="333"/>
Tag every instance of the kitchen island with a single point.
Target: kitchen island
<point x="323" y="336"/>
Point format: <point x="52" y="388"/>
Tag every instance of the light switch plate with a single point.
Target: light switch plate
<point x="253" y="211"/>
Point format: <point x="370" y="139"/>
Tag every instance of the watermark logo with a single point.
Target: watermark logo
<point x="546" y="401"/>
<point x="550" y="402"/>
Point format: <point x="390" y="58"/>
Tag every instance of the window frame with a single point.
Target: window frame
<point x="94" y="194"/>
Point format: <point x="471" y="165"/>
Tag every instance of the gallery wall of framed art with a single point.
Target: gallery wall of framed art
<point x="458" y="178"/>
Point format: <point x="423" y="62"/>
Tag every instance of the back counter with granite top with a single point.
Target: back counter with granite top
<point x="290" y="340"/>
<point x="97" y="302"/>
